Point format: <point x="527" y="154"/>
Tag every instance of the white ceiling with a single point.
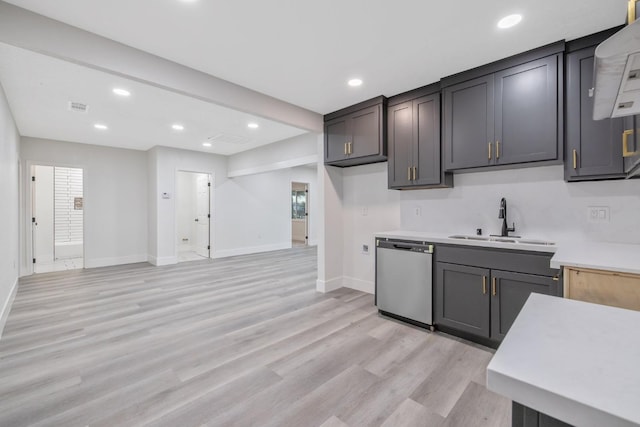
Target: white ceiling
<point x="303" y="52"/>
<point x="39" y="88"/>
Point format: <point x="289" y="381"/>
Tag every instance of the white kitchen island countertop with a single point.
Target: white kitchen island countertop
<point x="624" y="258"/>
<point x="575" y="361"/>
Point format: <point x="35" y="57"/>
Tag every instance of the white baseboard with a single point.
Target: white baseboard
<point x="359" y="285"/>
<point x="105" y="262"/>
<point x="328" y="285"/>
<point x="6" y="308"/>
<point x="250" y="250"/>
<point x="165" y="260"/>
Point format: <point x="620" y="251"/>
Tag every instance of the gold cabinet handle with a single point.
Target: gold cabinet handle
<point x="408" y="173"/>
<point x="625" y="143"/>
<point x="415" y="173"/>
<point x="484" y="285"/>
<point x="555" y="278"/>
<point x="497" y="149"/>
<point x="489" y="155"/>
<point x="345" y="148"/>
<point x="575" y="159"/>
<point x="493" y="287"/>
<point x="351" y="148"/>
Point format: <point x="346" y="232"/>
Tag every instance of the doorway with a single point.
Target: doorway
<point x="193" y="200"/>
<point x="58" y="218"/>
<point x="299" y="214"/>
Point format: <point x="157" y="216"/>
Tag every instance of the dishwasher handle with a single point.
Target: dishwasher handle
<point x="400" y="245"/>
<point x="403" y="247"/>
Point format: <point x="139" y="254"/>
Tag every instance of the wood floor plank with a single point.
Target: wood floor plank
<point x="241" y="341"/>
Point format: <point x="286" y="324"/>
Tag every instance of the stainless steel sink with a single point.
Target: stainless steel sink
<point x="503" y="240"/>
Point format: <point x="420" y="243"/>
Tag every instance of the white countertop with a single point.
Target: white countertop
<point x="431" y="237"/>
<point x="619" y="257"/>
<point x="575" y="361"/>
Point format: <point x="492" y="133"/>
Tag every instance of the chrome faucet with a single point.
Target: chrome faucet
<point x="502" y="214"/>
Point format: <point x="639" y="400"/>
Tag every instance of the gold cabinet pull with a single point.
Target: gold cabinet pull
<point x="497" y="149"/>
<point x="575" y="159"/>
<point x="493" y="287"/>
<point x="625" y="143"/>
<point x="484" y="285"/>
<point x="555" y="278"/>
<point x="489" y="155"/>
<point x="415" y="173"/>
<point x="408" y="173"/>
<point x="351" y="148"/>
<point x="345" y="148"/>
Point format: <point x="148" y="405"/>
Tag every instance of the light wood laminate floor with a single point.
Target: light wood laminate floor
<point x="243" y="341"/>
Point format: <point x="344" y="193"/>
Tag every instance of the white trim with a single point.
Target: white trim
<point x="4" y="314"/>
<point x="105" y="262"/>
<point x="251" y="250"/>
<point x="285" y="164"/>
<point x="359" y="284"/>
<point x="328" y="285"/>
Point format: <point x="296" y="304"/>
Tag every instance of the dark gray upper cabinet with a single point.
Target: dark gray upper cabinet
<point x="594" y="147"/>
<point x="415" y="158"/>
<point x="356" y="135"/>
<point x="505" y="113"/>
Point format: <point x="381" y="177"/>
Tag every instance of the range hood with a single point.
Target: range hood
<point x="617" y="74"/>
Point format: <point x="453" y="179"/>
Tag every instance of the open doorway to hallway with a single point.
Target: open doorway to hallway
<point x="299" y="214"/>
<point x="57" y="218"/>
<point x="193" y="201"/>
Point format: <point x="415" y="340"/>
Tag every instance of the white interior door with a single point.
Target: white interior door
<point x="42" y="220"/>
<point x="202" y="219"/>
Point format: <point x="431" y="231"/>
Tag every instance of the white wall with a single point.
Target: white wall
<point x="186" y="210"/>
<point x="288" y="153"/>
<point x="115" y="198"/>
<point x="9" y="213"/>
<point x="539" y="201"/>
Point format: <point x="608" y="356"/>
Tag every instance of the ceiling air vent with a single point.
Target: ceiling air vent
<point x="78" y="107"/>
<point x="228" y="139"/>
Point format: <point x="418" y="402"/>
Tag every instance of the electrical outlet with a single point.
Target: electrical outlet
<point x="365" y="211"/>
<point x="365" y="249"/>
<point x="598" y="214"/>
<point x="418" y="211"/>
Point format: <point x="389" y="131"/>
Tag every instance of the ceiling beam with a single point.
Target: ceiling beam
<point x="28" y="30"/>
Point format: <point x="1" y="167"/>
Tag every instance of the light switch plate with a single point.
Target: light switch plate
<point x="598" y="214"/>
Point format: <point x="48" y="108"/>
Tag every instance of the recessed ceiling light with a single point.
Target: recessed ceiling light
<point x="253" y="126"/>
<point x="100" y="126"/>
<point x="355" y="82"/>
<point x="206" y="144"/>
<point x="509" y="21"/>
<point x="121" y="92"/>
<point x="177" y="126"/>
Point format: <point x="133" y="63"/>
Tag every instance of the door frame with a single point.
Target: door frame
<point x="306" y="211"/>
<point x="29" y="211"/>
<point x="175" y="209"/>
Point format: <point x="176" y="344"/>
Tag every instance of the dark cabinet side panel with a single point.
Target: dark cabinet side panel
<point x="400" y="140"/>
<point x="595" y="144"/>
<point x="632" y="125"/>
<point x="509" y="293"/>
<point x="468" y="123"/>
<point x="527" y="112"/>
<point x="462" y="302"/>
<point x="426" y="154"/>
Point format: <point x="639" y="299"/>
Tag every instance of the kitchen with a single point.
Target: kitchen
<point x="358" y="206"/>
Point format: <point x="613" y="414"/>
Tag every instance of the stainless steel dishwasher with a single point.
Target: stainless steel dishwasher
<point x="404" y="278"/>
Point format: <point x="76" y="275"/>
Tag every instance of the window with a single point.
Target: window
<point x="298" y="204"/>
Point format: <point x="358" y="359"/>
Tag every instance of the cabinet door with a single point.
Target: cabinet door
<point x="509" y="292"/>
<point x="468" y="123"/>
<point x="336" y="136"/>
<point x="593" y="146"/>
<point x="632" y="126"/>
<point x="366" y="132"/>
<point x="400" y="140"/>
<point x="526" y="112"/>
<point x="462" y="298"/>
<point x="426" y="131"/>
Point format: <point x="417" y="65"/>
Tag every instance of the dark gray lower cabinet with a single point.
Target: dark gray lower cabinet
<point x="462" y="298"/>
<point x="522" y="416"/>
<point x="476" y="296"/>
<point x="509" y="292"/>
